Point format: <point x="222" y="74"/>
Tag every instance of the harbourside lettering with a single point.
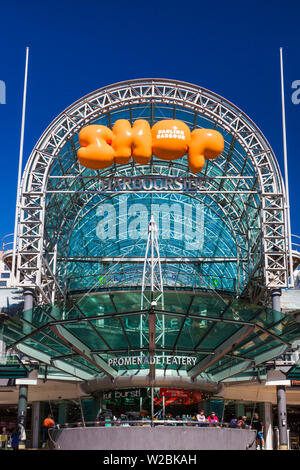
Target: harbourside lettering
<point x="150" y="360"/>
<point x="150" y="184"/>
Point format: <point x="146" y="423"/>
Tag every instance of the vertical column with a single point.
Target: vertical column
<point x="152" y="405"/>
<point x="22" y="411"/>
<point x="98" y="404"/>
<point x="276" y="294"/>
<point x="62" y="413"/>
<point x="2" y="343"/>
<point x="239" y="409"/>
<point x="22" y="405"/>
<point x="206" y="407"/>
<point x="23" y="389"/>
<point x="28" y="306"/>
<point x="35" y="424"/>
<point x="152" y="326"/>
<point x="268" y="426"/>
<point x="282" y="417"/>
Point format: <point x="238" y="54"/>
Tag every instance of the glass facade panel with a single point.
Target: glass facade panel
<point x="191" y="328"/>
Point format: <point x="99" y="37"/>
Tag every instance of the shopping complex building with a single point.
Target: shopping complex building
<point x="137" y="279"/>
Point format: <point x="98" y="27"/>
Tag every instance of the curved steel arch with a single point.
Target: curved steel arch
<point x="34" y="271"/>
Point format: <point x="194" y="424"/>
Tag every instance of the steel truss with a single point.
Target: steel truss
<point x="37" y="239"/>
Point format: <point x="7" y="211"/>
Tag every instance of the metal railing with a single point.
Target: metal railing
<point x="145" y="422"/>
<point x="8" y="242"/>
<point x="296" y="243"/>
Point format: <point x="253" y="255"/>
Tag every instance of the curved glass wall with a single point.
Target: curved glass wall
<point x="99" y="234"/>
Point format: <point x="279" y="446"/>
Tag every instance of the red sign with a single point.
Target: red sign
<point x="178" y="396"/>
<point x="296" y="383"/>
<point x="174" y="393"/>
<point x="197" y="396"/>
<point x="175" y="396"/>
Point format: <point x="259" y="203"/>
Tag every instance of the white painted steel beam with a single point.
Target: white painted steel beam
<point x="221" y="351"/>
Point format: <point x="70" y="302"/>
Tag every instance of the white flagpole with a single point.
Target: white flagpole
<point x="286" y="176"/>
<point x="20" y="169"/>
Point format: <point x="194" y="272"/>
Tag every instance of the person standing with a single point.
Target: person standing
<point x="48" y="423"/>
<point x="257" y="424"/>
<point x="233" y="423"/>
<point x="241" y="422"/>
<point x="213" y="419"/>
<point x="4" y="438"/>
<point x="201" y="418"/>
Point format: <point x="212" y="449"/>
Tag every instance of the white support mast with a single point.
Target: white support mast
<point x="286" y="177"/>
<point x="20" y="169"/>
<point x="152" y="271"/>
<point x="152" y="277"/>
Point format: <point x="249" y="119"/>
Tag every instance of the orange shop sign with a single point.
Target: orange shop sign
<point x="169" y="139"/>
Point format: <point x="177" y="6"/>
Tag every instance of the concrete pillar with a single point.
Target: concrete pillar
<point x="282" y="417"/>
<point x="28" y="306"/>
<point x="239" y="409"/>
<point x="268" y="426"/>
<point x="276" y="306"/>
<point x="35" y="424"/>
<point x="22" y="410"/>
<point x="206" y="407"/>
<point x="261" y="411"/>
<point x="2" y="345"/>
<point x="62" y="413"/>
<point x="22" y="404"/>
<point x="98" y="404"/>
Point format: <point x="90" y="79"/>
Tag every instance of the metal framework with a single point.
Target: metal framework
<point x="228" y="194"/>
<point x="152" y="270"/>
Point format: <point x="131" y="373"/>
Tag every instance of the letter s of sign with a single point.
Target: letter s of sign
<point x="296" y="94"/>
<point x="96" y="151"/>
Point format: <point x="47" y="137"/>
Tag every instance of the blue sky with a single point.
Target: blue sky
<point x="76" y="47"/>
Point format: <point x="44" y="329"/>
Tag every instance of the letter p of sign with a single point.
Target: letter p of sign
<point x="206" y="144"/>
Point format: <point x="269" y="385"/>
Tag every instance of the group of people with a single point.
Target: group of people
<point x="12" y="438"/>
<point x="212" y="419"/>
<point x="240" y="423"/>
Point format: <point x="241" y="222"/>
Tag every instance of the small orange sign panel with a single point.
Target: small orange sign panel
<point x="168" y="139"/>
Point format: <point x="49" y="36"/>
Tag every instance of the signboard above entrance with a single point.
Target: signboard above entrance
<point x="155" y="359"/>
<point x="168" y="139"/>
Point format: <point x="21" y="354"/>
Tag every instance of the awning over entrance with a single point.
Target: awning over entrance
<point x="197" y="336"/>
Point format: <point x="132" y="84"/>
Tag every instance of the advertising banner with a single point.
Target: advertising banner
<point x="124" y="397"/>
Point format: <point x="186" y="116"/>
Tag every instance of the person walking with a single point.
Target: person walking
<point x="257" y="424"/>
<point x="15" y="438"/>
<point x="48" y="423"/>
